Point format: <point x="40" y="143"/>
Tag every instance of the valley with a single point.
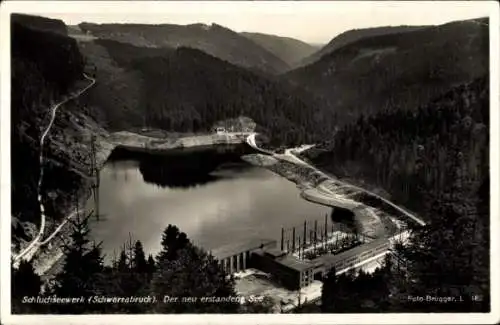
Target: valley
<point x="139" y="152"/>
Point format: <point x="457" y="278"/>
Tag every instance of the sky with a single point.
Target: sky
<point x="309" y="21"/>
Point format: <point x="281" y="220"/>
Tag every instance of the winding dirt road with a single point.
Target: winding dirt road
<point x="291" y="157"/>
<point x="36" y="242"/>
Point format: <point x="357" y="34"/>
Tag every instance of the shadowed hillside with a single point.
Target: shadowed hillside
<point x="40" y="23"/>
<point x="188" y="90"/>
<point x="435" y="161"/>
<point x="352" y="36"/>
<point x="39" y="79"/>
<point x="397" y="71"/>
<point x="439" y="145"/>
<point x="213" y="39"/>
<point x="288" y="49"/>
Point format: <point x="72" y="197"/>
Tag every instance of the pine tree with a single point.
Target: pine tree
<point x="139" y="262"/>
<point x="122" y="265"/>
<point x="25" y="283"/>
<point x="151" y="265"/>
<point x="172" y="241"/>
<point x="328" y="292"/>
<point x="82" y="274"/>
<point x="193" y="273"/>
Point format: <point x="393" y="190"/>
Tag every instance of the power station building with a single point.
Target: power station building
<point x="237" y="257"/>
<point x="290" y="271"/>
<point x="286" y="269"/>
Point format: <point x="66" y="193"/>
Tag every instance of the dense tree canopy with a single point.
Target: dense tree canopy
<point x="188" y="90"/>
<point x="436" y="162"/>
<point x="440" y="145"/>
<point x="83" y="270"/>
<point x="38" y="79"/>
<point x="400" y="70"/>
<point x="180" y="270"/>
<point x="25" y="283"/>
<point x="193" y="273"/>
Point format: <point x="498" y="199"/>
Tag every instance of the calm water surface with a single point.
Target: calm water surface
<point x="212" y="196"/>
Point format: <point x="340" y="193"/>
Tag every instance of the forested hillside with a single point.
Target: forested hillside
<point x="397" y="71"/>
<point x="352" y="36"/>
<point x="40" y="23"/>
<point x="39" y="78"/>
<point x="439" y="144"/>
<point x="434" y="161"/>
<point x="213" y="39"/>
<point x="179" y="270"/>
<point x="290" y="50"/>
<point x="188" y="90"/>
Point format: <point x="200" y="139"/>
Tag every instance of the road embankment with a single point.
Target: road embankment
<point x="303" y="176"/>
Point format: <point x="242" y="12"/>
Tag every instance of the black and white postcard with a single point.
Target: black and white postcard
<point x="249" y="162"/>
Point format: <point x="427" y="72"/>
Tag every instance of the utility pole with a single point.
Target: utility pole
<point x="326" y="229"/>
<point x="282" y="235"/>
<point x="315" y="234"/>
<point x="130" y="251"/>
<point x="299" y="249"/>
<point x="305" y="226"/>
<point x="311" y="242"/>
<point x="95" y="173"/>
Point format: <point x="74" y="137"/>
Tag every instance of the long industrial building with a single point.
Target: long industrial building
<point x="290" y="271"/>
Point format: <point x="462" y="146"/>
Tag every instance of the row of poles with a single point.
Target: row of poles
<point x="314" y="236"/>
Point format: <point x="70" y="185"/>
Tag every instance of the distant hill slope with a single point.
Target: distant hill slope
<point x="288" y="49"/>
<point x="186" y="89"/>
<point x="214" y="39"/>
<point x="405" y="152"/>
<point x="45" y="66"/>
<point x="40" y="23"/>
<point x="397" y="71"/>
<point x="434" y="161"/>
<point x="354" y="35"/>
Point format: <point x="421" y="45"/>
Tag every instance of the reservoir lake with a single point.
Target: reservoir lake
<point x="211" y="194"/>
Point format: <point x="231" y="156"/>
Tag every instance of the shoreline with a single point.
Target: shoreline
<point x="47" y="256"/>
<point x="313" y="185"/>
<point x="310" y="181"/>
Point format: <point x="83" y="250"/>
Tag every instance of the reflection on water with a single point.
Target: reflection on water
<point x="158" y="172"/>
<point x="345" y="217"/>
<point x="214" y="197"/>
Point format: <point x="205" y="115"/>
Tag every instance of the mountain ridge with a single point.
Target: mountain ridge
<point x="156" y="85"/>
<point x="354" y="35"/>
<point x="213" y="39"/>
<point x="289" y="49"/>
<point x="397" y="71"/>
